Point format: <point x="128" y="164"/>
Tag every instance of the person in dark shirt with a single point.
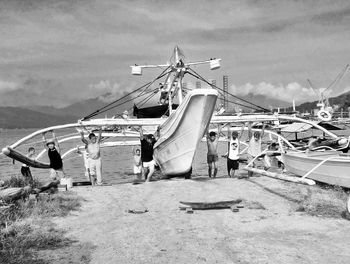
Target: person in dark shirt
<point x="148" y="164"/>
<point x="53" y="151"/>
<point x="25" y="169"/>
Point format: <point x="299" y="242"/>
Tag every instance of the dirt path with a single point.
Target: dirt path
<point x="107" y="233"/>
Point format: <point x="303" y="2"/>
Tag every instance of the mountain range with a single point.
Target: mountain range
<point x="44" y="116"/>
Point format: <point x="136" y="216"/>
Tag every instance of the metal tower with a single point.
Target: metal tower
<point x="225" y="87"/>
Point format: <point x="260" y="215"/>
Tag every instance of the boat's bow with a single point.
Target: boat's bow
<point x="183" y="130"/>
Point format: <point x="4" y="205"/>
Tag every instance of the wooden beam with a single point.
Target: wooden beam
<point x="281" y="176"/>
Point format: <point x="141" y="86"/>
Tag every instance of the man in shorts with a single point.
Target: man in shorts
<point x="148" y="164"/>
<point x="94" y="154"/>
<point x="233" y="152"/>
<point x="53" y="151"/>
<point x="254" y="145"/>
<point x="212" y="155"/>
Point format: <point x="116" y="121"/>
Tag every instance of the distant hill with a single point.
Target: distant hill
<point x="260" y="100"/>
<point x="267" y="102"/>
<point x="342" y="100"/>
<point x="16" y="117"/>
<point x="86" y="107"/>
<point x="43" y="116"/>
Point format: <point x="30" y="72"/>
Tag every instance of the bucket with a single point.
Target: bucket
<point x="67" y="181"/>
<point x="214" y="64"/>
<point x="136" y="70"/>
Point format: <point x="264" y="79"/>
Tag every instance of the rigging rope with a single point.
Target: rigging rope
<point x="145" y="100"/>
<point x="196" y="75"/>
<point x="131" y="99"/>
<point x="109" y="106"/>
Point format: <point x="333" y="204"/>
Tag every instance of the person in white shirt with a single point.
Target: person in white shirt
<point x="137" y="162"/>
<point x="233" y="152"/>
<point x="93" y="150"/>
<point x="254" y="145"/>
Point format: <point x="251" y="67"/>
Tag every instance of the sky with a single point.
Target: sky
<point x="58" y="52"/>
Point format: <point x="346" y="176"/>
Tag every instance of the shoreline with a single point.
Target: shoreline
<point x="269" y="229"/>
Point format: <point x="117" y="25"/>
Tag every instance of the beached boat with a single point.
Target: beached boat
<point x="330" y="167"/>
<point x="181" y="133"/>
<point x="178" y="135"/>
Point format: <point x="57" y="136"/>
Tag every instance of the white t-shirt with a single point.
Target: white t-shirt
<point x="254" y="148"/>
<point x="233" y="153"/>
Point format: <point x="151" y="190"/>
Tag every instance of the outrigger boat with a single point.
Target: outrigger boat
<point x="177" y="135"/>
<point x="179" y="131"/>
<point x="331" y="167"/>
<point x="325" y="164"/>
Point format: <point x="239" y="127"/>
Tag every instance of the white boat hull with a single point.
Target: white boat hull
<point x="334" y="171"/>
<point x="181" y="133"/>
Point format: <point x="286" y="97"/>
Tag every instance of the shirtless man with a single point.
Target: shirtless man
<point x="93" y="150"/>
<point x="212" y="156"/>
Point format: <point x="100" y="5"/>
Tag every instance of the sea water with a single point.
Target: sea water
<point x="117" y="162"/>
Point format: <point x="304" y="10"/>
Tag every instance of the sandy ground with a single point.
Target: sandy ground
<point x="105" y="232"/>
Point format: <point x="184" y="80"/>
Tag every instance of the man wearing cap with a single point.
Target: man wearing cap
<point x="53" y="151"/>
<point x="94" y="154"/>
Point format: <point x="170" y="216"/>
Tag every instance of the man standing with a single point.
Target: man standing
<point x="212" y="155"/>
<point x="147" y="143"/>
<point x="25" y="169"/>
<point x="53" y="151"/>
<point x="93" y="149"/>
<point x="254" y="145"/>
<point x="233" y="152"/>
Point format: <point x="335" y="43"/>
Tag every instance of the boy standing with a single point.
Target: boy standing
<point x="212" y="155"/>
<point x="25" y="169"/>
<point x="53" y="151"/>
<point x="94" y="155"/>
<point x="137" y="162"/>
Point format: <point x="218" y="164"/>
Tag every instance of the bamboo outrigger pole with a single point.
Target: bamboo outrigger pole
<point x="279" y="176"/>
<point x="276" y="175"/>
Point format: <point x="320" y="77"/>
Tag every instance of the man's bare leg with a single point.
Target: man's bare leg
<point x="209" y="169"/>
<point x="215" y="169"/>
<point x="150" y="173"/>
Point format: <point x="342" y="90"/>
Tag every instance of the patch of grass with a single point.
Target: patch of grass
<point x="326" y="201"/>
<point x="20" y="181"/>
<point x="26" y="228"/>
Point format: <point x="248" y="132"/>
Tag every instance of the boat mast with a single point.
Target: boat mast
<point x="177" y="69"/>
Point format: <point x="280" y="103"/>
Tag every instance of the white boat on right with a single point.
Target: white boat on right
<point x="331" y="167"/>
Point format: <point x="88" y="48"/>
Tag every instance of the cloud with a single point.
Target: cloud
<point x="32" y="90"/>
<point x="85" y="41"/>
<point x="8" y="86"/>
<point x="105" y="90"/>
<point x="285" y="93"/>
